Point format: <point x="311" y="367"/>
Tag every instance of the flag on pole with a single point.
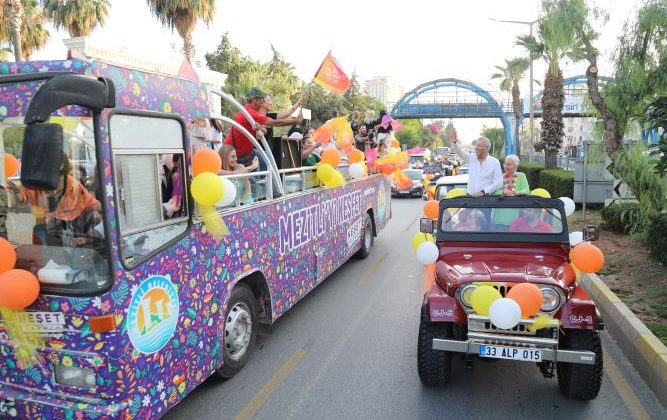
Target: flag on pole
<point x="331" y="76"/>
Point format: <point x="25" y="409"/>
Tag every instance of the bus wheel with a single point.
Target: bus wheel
<point x="240" y="331"/>
<point x="366" y="238"/>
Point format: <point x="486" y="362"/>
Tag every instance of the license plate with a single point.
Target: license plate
<point x="511" y="353"/>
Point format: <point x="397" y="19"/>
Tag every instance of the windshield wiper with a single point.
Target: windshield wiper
<point x="556" y="214"/>
<point x="456" y="212"/>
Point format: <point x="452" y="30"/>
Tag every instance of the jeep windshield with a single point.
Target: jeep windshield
<point x="59" y="235"/>
<point x="509" y="216"/>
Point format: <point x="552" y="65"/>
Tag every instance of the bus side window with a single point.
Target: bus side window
<point x="150" y="184"/>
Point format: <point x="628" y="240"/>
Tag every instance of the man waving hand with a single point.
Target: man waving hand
<point x="485" y="175"/>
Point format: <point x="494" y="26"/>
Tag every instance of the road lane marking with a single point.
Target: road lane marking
<point x="623" y="387"/>
<point x="411" y="223"/>
<point x="260" y="398"/>
<point x="373" y="268"/>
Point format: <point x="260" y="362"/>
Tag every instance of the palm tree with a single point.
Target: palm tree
<point x="79" y="17"/>
<point x="555" y="41"/>
<point x="13" y="17"/>
<point x="510" y="76"/>
<point x="33" y="34"/>
<point x="183" y="14"/>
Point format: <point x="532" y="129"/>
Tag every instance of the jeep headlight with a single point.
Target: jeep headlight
<point x="466" y="292"/>
<point x="550" y="299"/>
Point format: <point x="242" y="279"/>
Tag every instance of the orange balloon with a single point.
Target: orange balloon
<point x="331" y="156"/>
<point x="18" y="289"/>
<point x="324" y="133"/>
<point x="7" y="255"/>
<point x="431" y="209"/>
<point x="395" y="143"/>
<point x="387" y="169"/>
<point x="528" y="296"/>
<point x="569" y="275"/>
<point x="206" y="160"/>
<point x="355" y="156"/>
<point x="587" y="257"/>
<point x="11" y="166"/>
<point x="402" y="180"/>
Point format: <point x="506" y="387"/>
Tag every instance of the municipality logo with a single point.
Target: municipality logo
<point x="153" y="314"/>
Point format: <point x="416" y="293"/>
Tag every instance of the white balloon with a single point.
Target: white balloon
<point x="428" y="253"/>
<point x="569" y="205"/>
<point x="505" y="313"/>
<point x="356" y="170"/>
<point x="576" y="238"/>
<point x="229" y="194"/>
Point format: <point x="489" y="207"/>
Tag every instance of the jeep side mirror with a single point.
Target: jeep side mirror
<point x="42" y="157"/>
<point x="591" y="232"/>
<point x="427" y="225"/>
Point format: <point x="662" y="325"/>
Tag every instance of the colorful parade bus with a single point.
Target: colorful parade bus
<point x="138" y="304"/>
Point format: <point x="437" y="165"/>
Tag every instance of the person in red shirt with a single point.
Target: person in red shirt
<point x="244" y="148"/>
<point x="530" y="222"/>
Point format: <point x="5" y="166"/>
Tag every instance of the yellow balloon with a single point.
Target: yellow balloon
<point x="456" y="192"/>
<point x="207" y="189"/>
<point x="541" y="192"/>
<point x="482" y="298"/>
<point x="325" y="172"/>
<point x="419" y="238"/>
<point x="336" y="180"/>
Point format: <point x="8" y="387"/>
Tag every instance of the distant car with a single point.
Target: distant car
<point x="417" y="188"/>
<point x="463" y="170"/>
<point x="414" y="159"/>
<point x="433" y="168"/>
<point x="447" y="183"/>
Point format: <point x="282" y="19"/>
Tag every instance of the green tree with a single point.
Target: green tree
<point x="411" y="133"/>
<point x="497" y="137"/>
<point x="183" y="15"/>
<point x="510" y="76"/>
<point x="448" y="133"/>
<point x="79" y="17"/>
<point x="555" y="41"/>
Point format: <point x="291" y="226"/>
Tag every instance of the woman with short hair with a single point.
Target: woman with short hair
<point x="514" y="182"/>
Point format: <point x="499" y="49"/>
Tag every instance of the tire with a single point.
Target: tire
<point x="576" y="381"/>
<point x="434" y="366"/>
<point x="366" y="238"/>
<point x="240" y="331"/>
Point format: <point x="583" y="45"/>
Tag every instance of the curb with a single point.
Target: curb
<point x="646" y="352"/>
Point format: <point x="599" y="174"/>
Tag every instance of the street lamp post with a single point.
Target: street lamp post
<point x="531" y="150"/>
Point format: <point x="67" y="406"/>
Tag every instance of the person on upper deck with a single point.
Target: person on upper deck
<point x="485" y="175"/>
<point x="244" y="148"/>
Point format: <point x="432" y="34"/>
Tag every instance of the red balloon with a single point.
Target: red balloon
<point x="7" y="255"/>
<point x="431" y="209"/>
<point x="587" y="257"/>
<point x="11" y="166"/>
<point x="206" y="160"/>
<point x="18" y="289"/>
<point x="528" y="296"/>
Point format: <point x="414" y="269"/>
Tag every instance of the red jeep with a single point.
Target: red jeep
<point x="501" y="242"/>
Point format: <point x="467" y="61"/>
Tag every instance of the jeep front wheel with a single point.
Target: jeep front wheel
<point x="434" y="366"/>
<point x="576" y="381"/>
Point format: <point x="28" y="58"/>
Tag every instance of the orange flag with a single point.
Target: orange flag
<point x="331" y="76"/>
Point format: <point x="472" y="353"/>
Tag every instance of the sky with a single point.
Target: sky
<point x="410" y="41"/>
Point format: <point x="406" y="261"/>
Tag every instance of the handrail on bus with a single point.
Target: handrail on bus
<point x="264" y="149"/>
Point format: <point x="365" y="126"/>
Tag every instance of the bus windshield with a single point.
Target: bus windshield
<point x="59" y="235"/>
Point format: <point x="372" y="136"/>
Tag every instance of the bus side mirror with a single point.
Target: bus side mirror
<point x="42" y="157"/>
<point x="591" y="233"/>
<point x="427" y="225"/>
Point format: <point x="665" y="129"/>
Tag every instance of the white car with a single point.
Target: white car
<point x="448" y="183"/>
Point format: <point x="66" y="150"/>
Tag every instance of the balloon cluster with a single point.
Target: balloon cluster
<point x="210" y="190"/>
<point x="18" y="290"/>
<point x="523" y="300"/>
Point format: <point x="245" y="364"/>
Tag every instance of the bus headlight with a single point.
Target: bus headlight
<point x="466" y="292"/>
<point x="75" y="376"/>
<point x="550" y="299"/>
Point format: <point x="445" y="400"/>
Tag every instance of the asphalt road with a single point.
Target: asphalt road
<point x="348" y="351"/>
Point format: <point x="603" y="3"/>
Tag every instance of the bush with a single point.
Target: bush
<point x="532" y="171"/>
<point x="559" y="182"/>
<point x="656" y="237"/>
<point x="620" y="217"/>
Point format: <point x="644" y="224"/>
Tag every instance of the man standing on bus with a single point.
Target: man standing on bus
<point x="485" y="176"/>
<point x="244" y="148"/>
